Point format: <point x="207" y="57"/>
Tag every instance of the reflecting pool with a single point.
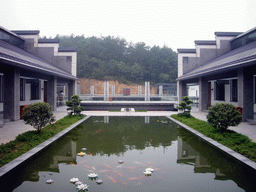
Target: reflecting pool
<point x="119" y="149"/>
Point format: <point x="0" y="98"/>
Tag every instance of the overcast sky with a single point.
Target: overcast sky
<point x="175" y="23"/>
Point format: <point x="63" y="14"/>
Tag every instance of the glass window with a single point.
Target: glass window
<point x="248" y="38"/>
<point x="185" y="60"/>
<point x="35" y="89"/>
<point x="1" y="88"/>
<point x="69" y="58"/>
<point x="220" y="91"/>
<point x="234" y="90"/>
<point x="11" y="39"/>
<point x="22" y="89"/>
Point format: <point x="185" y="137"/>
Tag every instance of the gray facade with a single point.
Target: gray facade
<point x="31" y="70"/>
<point x="224" y="69"/>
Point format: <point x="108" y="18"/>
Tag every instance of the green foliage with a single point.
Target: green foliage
<point x="223" y="115"/>
<point x="185" y="106"/>
<point x="105" y="57"/>
<point x="74" y="105"/>
<point x="38" y="115"/>
<point x="235" y="141"/>
<point x="28" y="140"/>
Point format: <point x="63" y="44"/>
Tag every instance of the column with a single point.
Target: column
<point x="139" y="90"/>
<point x="12" y="94"/>
<point x="113" y="90"/>
<point x="245" y="93"/>
<point x="203" y="94"/>
<point x="106" y="91"/>
<point x="146" y="91"/>
<point x="92" y="90"/>
<point x="182" y="90"/>
<point x="161" y="90"/>
<point x="52" y="92"/>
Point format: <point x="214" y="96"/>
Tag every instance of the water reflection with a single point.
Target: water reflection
<point x="142" y="142"/>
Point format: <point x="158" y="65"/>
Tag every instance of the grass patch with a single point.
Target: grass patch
<point x="30" y="139"/>
<point x="231" y="139"/>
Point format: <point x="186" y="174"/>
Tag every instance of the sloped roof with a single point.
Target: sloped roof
<point x="24" y="59"/>
<point x="231" y="60"/>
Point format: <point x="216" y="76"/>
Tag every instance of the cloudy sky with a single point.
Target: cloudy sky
<point x="175" y="23"/>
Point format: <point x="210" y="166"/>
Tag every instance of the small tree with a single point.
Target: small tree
<point x="185" y="106"/>
<point x="223" y="115"/>
<point x="74" y="105"/>
<point x="38" y="115"/>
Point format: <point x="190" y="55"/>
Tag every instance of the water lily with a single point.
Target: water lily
<point x="99" y="181"/>
<point x="120" y="161"/>
<point x="83" y="149"/>
<point x="49" y="181"/>
<point x="147" y="173"/>
<point x="81" y="153"/>
<point x="82" y="187"/>
<point x="149" y="169"/>
<point x="93" y="175"/>
<point x="78" y="183"/>
<point x="73" y="180"/>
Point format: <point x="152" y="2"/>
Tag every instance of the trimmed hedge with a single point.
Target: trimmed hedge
<point x="28" y="140"/>
<point x="231" y="139"/>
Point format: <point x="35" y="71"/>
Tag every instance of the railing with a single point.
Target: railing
<point x="132" y="97"/>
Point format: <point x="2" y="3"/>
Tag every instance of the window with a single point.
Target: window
<point x="220" y="90"/>
<point x="185" y="60"/>
<point x="234" y="90"/>
<point x="22" y="89"/>
<point x="1" y="88"/>
<point x="35" y="89"/>
<point x="243" y="40"/>
<point x="69" y="58"/>
<point x="11" y="39"/>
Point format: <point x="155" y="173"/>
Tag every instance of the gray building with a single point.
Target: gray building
<point x="224" y="69"/>
<point x="33" y="70"/>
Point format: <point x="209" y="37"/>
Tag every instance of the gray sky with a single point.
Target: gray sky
<point x="175" y="23"/>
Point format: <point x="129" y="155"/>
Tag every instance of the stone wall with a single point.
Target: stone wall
<point x="99" y="87"/>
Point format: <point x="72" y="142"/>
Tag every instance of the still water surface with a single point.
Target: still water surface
<point x="181" y="161"/>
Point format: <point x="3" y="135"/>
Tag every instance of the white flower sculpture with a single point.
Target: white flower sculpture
<point x="149" y="169"/>
<point x="99" y="182"/>
<point x="93" y="175"/>
<point x="78" y="183"/>
<point x="82" y="187"/>
<point x="73" y="180"/>
<point x="49" y="181"/>
<point x="147" y="173"/>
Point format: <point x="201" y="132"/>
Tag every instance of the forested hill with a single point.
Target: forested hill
<point x="109" y="58"/>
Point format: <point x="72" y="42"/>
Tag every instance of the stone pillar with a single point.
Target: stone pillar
<point x="139" y="90"/>
<point x="92" y="90"/>
<point x="203" y="94"/>
<point x="161" y="92"/>
<point x="147" y="91"/>
<point x="182" y="90"/>
<point x="113" y="90"/>
<point x="245" y="93"/>
<point x="106" y="91"/>
<point x="71" y="89"/>
<point x="52" y="92"/>
<point x="147" y="120"/>
<point x="106" y="119"/>
<point x="12" y="94"/>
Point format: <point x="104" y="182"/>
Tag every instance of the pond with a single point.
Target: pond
<point x="181" y="161"/>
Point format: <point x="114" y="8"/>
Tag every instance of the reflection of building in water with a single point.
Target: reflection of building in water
<point x="147" y="120"/>
<point x="188" y="155"/>
<point x="66" y="154"/>
<point x="106" y="119"/>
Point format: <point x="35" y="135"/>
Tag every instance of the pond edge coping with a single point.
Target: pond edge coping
<point x="26" y="156"/>
<point x="223" y="148"/>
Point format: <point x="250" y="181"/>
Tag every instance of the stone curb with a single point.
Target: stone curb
<point x="21" y="159"/>
<point x="219" y="146"/>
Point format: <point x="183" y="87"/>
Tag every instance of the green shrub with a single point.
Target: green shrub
<point x="74" y="105"/>
<point x="38" y="115"/>
<point x="185" y="106"/>
<point x="223" y="115"/>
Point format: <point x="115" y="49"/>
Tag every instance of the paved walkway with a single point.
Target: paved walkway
<point x="243" y="128"/>
<point x="12" y="129"/>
